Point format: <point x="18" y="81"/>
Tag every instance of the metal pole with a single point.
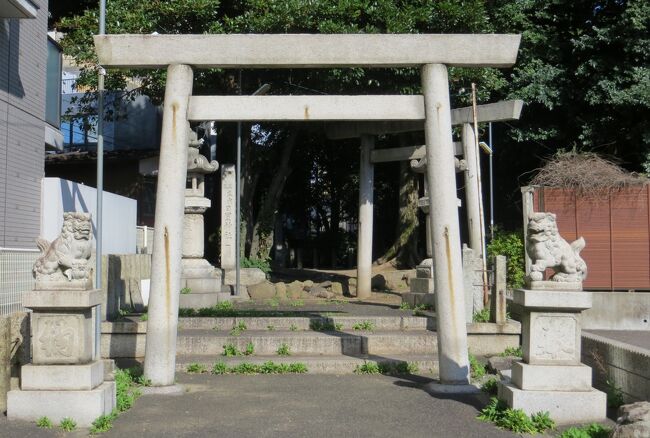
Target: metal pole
<point x="100" y="184"/>
<point x="237" y="203"/>
<point x="491" y="184"/>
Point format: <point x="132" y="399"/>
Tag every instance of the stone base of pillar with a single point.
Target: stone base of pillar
<point x="419" y="299"/>
<point x="443" y="388"/>
<point x="551" y="377"/>
<point x="247" y="276"/>
<point x="81" y="406"/>
<point x="201" y="284"/>
<point x="63" y="380"/>
<point x="421" y="286"/>
<point x="564" y="407"/>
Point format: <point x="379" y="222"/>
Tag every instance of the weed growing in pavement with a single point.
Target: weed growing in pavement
<point x="196" y="368"/>
<point x="283" y="350"/>
<point x="364" y="325"/>
<point x="68" y="424"/>
<point x="44" y="423"/>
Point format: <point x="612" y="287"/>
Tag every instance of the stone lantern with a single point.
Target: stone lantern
<point x="201" y="282"/>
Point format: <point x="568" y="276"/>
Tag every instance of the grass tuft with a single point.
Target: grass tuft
<point x="368" y="326"/>
<point x="283" y="350"/>
<point x="44" y="423"/>
<point x="196" y="368"/>
<point x="68" y="424"/>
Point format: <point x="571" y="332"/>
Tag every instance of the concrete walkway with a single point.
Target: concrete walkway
<point x="292" y="406"/>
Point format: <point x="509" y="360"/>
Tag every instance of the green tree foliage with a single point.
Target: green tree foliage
<point x="511" y="245"/>
<point x="582" y="70"/>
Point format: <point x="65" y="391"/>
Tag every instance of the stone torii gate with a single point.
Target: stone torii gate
<point x="493" y="112"/>
<point x="181" y="53"/>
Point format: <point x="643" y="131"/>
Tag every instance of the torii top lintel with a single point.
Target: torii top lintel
<point x="306" y="50"/>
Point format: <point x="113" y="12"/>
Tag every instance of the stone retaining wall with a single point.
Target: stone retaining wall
<point x="121" y="282"/>
<point x="625" y="366"/>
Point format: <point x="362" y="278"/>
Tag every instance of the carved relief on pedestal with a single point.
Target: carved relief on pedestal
<point x="554" y="338"/>
<point x="64" y="262"/>
<point x="57" y="336"/>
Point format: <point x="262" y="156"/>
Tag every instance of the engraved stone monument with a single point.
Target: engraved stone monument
<point x="551" y="377"/>
<point x="65" y="377"/>
<point x="201" y="280"/>
<point x="228" y="224"/>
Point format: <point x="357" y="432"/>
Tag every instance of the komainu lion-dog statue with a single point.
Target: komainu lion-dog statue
<point x="64" y="262"/>
<point x="547" y="249"/>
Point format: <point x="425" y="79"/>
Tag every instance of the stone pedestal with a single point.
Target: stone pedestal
<point x="64" y="378"/>
<point x="421" y="287"/>
<point x="551" y="377"/>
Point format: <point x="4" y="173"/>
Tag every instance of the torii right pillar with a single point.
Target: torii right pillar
<point x="444" y="228"/>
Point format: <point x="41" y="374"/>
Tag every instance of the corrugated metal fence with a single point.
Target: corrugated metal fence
<point x="616" y="227"/>
<point x="15" y="277"/>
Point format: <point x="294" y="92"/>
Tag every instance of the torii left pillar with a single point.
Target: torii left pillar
<point x="444" y="228"/>
<point x="160" y="350"/>
<point x="364" y="231"/>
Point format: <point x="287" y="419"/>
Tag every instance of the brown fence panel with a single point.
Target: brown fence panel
<point x="617" y="231"/>
<point x="630" y="245"/>
<point x="593" y="218"/>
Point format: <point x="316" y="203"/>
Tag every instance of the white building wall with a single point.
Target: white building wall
<point x="119" y="213"/>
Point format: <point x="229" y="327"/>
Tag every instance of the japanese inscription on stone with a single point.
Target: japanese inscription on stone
<point x="228" y="220"/>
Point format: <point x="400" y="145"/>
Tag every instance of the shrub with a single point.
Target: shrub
<point x="511" y="245"/>
<point x="482" y="315"/>
<point x="263" y="265"/>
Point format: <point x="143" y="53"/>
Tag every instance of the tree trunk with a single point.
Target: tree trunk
<point x="262" y="235"/>
<point x="404" y="249"/>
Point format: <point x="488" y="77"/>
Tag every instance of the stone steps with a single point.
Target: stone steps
<point x="317" y="364"/>
<point x="310" y="322"/>
<point x="305" y="342"/>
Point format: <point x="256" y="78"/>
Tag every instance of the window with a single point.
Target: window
<point x="80" y="130"/>
<point x="53" y="84"/>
